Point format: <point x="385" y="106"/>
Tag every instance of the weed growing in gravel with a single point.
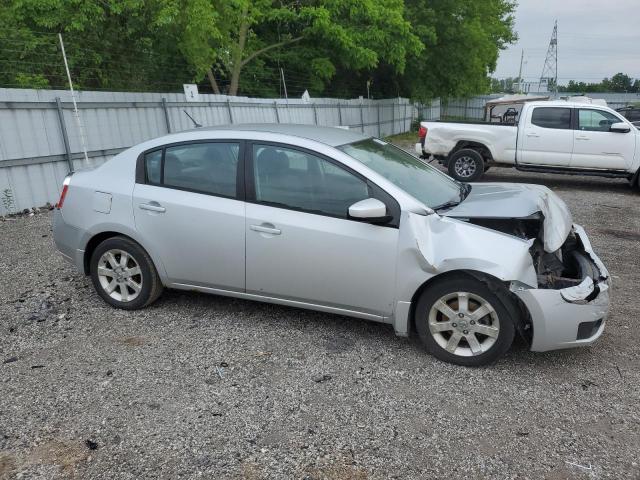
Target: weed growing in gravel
<point x="7" y="200"/>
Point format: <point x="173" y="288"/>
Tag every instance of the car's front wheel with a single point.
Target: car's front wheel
<point x="461" y="320"/>
<point x="123" y="274"/>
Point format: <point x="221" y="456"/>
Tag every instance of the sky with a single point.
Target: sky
<point x="596" y="39"/>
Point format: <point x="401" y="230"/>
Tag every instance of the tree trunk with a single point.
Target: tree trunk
<point x="213" y="82"/>
<point x="236" y="61"/>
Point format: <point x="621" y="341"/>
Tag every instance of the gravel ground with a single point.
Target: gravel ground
<point x="212" y="387"/>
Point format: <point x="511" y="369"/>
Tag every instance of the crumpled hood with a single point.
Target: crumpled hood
<point x="517" y="200"/>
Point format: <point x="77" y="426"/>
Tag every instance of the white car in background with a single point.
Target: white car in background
<point x="549" y="137"/>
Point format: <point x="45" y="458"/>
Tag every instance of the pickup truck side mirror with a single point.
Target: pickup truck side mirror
<point x="619" y="127"/>
<point x="369" y="210"/>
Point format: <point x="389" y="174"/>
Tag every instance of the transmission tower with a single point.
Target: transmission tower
<point x="550" y="70"/>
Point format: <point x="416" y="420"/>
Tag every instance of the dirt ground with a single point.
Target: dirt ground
<point x="200" y="386"/>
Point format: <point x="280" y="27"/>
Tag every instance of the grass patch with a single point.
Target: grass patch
<point x="403" y="137"/>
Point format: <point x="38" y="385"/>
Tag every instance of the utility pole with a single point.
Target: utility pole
<point x="286" y="96"/>
<point x="520" y="73"/>
<point x="550" y="69"/>
<point x="284" y="83"/>
<point x="73" y="98"/>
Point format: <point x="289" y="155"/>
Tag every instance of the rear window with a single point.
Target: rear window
<point x="203" y="167"/>
<point x="552" y="117"/>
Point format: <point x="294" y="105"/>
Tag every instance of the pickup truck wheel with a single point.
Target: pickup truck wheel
<point x="466" y="165"/>
<point x="461" y="320"/>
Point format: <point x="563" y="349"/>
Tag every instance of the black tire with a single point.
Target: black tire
<point x="148" y="279"/>
<point x="466" y="165"/>
<point x="492" y="348"/>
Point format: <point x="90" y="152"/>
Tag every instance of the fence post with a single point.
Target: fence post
<point x="361" y="117"/>
<point x="404" y="119"/>
<point x="166" y="114"/>
<point x="315" y="113"/>
<point x="65" y="137"/>
<point x="275" y="107"/>
<point x="466" y="104"/>
<point x="339" y="115"/>
<point x="229" y="108"/>
<point x="393" y="117"/>
<point x="379" y="128"/>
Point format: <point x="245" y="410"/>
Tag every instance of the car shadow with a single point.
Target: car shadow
<point x="356" y="331"/>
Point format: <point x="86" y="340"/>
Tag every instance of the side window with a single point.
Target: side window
<point x="595" y="120"/>
<point x="297" y="180"/>
<point x="153" y="166"/>
<point x="202" y="167"/>
<point x="552" y="117"/>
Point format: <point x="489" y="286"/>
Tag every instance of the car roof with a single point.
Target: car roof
<point x="331" y="136"/>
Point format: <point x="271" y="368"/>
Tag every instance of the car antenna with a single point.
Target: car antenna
<point x="195" y="124"/>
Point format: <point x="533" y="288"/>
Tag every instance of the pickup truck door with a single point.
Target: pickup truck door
<point x="547" y="137"/>
<point x="597" y="147"/>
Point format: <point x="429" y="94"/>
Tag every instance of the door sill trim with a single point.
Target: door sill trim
<point x="282" y="301"/>
<point x="595" y="172"/>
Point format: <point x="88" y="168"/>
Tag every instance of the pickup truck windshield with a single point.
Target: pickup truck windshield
<point x="424" y="182"/>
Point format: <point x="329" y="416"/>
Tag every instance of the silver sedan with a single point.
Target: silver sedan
<point x="332" y="220"/>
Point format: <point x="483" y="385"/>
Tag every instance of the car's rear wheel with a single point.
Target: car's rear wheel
<point x="123" y="274"/>
<point x="466" y="165"/>
<point x="461" y="320"/>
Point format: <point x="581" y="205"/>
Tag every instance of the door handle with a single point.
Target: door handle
<point x="532" y="135"/>
<point x="152" y="207"/>
<point x="582" y="138"/>
<point x="265" y="229"/>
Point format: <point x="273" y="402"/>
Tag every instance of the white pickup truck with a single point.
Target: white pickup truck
<point x="549" y="137"/>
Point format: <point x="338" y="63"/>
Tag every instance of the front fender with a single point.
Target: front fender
<point x="432" y="245"/>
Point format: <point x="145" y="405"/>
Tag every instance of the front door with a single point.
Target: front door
<point x="302" y="246"/>
<point x="597" y="147"/>
<point x="190" y="212"/>
<point x="547" y="138"/>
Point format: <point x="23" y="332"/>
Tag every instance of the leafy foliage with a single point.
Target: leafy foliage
<point x="463" y="39"/>
<point x="619" y="83"/>
<point x="422" y="48"/>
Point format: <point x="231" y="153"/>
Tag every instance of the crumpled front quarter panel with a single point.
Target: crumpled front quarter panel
<point x="431" y="245"/>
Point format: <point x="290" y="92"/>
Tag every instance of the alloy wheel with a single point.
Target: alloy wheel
<point x="120" y="275"/>
<point x="465" y="167"/>
<point x="464" y="324"/>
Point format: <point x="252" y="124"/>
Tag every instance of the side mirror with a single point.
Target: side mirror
<point x="619" y="127"/>
<point x="369" y="210"/>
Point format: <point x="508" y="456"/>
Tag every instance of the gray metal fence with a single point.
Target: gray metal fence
<point x="40" y="138"/>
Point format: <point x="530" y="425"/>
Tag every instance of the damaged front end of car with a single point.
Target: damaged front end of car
<point x="569" y="302"/>
<point x="570" y="305"/>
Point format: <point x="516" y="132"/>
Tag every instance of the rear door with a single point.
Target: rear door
<point x="547" y="138"/>
<point x="597" y="147"/>
<point x="302" y="246"/>
<point x="189" y="209"/>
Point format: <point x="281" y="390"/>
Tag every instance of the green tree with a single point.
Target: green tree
<point x="463" y="39"/>
<point x="355" y="34"/>
<point x="619" y="83"/>
<point x="113" y="44"/>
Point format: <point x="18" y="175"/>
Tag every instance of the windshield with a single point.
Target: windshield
<point x="424" y="182"/>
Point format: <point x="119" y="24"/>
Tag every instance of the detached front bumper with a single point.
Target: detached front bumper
<point x="569" y="317"/>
